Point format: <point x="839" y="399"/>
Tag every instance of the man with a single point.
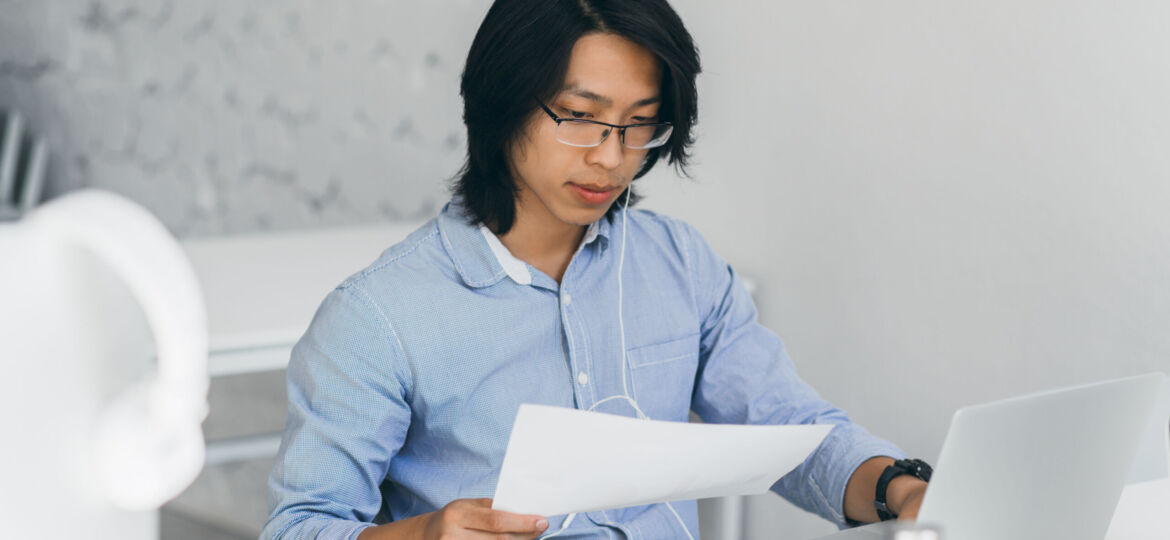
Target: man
<point x="403" y="391"/>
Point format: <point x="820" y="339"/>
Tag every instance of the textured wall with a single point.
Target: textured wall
<point x="227" y="117"/>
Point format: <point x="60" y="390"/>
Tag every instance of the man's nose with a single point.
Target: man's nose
<point x="609" y="153"/>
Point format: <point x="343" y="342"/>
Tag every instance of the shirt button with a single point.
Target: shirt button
<point x="566" y="298"/>
<point x="583" y="378"/>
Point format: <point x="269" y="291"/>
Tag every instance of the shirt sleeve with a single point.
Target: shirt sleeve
<point x="746" y="377"/>
<point x="348" y="415"/>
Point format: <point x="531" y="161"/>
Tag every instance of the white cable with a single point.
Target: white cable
<point x="621" y="321"/>
<point x="680" y="521"/>
<point x="625" y="367"/>
<point x="634" y="404"/>
<point x="568" y="521"/>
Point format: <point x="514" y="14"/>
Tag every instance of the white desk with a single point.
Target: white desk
<point x="262" y="291"/>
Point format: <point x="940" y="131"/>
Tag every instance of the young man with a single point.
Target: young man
<point x="536" y="285"/>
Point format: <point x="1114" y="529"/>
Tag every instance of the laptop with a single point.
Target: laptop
<point x="1152" y="461"/>
<point x="1040" y="466"/>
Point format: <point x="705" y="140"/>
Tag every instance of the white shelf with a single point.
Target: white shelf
<point x="239" y="362"/>
<point x="241" y="449"/>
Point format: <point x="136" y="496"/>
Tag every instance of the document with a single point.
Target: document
<point x="561" y="461"/>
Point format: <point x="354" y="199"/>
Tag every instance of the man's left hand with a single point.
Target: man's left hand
<point x="904" y="497"/>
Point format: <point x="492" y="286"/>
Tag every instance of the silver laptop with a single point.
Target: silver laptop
<point x="1152" y="461"/>
<point x="1046" y="465"/>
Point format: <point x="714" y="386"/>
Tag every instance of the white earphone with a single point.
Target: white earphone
<point x="148" y="441"/>
<point x="625" y="396"/>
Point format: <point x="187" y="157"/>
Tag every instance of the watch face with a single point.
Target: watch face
<point x="920" y="469"/>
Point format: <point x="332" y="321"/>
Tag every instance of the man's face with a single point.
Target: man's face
<point x="610" y="79"/>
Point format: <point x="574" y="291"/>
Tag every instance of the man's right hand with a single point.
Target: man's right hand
<point x="463" y="518"/>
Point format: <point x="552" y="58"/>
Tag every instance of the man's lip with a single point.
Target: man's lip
<point x="595" y="189"/>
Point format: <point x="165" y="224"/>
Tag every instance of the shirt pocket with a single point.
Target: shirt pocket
<point x="663" y="376"/>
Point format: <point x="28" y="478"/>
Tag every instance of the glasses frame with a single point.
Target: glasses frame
<point x="621" y="129"/>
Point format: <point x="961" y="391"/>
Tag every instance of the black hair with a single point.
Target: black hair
<point x="521" y="54"/>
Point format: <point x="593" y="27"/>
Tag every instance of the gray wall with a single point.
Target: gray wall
<point x="943" y="202"/>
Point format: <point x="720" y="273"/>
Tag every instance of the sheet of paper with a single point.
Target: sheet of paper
<point x="562" y="460"/>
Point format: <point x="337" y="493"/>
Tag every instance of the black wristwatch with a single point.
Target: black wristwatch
<point x="913" y="467"/>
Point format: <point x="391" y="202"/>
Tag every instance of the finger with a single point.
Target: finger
<point x="496" y="521"/>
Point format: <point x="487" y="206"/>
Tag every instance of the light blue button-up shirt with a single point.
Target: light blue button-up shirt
<point x="403" y="391"/>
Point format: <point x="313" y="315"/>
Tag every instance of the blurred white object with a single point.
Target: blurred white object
<point x="902" y="530"/>
<point x="89" y="448"/>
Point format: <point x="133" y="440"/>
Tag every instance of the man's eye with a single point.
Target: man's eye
<point x="576" y="114"/>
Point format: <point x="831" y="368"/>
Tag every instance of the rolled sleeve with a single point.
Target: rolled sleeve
<point x="818" y="485"/>
<point x="347" y="417"/>
<point x="320" y="529"/>
<point x="746" y="377"/>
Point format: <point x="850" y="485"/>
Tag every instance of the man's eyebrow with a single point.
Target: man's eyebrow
<point x="648" y="101"/>
<point x="597" y="98"/>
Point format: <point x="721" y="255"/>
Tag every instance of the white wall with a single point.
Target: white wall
<point x="944" y="202"/>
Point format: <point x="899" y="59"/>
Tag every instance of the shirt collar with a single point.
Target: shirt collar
<point x="515" y="268"/>
<point x="479" y="256"/>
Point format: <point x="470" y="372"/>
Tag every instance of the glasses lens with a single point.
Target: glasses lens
<point x="581" y="133"/>
<point x="649" y="136"/>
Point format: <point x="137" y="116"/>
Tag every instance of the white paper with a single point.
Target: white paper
<point x="562" y="460"/>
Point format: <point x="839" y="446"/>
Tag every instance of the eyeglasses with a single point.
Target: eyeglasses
<point x="589" y="133"/>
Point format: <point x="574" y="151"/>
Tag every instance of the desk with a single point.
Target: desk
<point x="262" y="290"/>
<point x="261" y="293"/>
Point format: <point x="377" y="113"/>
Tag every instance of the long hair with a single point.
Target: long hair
<point x="521" y="54"/>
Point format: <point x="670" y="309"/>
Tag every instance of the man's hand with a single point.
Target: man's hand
<point x="462" y="519"/>
<point x="903" y="494"/>
<point x="904" y="497"/>
<point x="474" y="518"/>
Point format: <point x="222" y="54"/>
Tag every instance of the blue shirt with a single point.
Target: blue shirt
<point x="403" y="391"/>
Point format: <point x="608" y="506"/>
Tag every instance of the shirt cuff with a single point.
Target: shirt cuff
<point x="844" y="450"/>
<point x="333" y="529"/>
<point x="343" y="530"/>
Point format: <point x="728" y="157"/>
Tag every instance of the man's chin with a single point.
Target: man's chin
<point x="584" y="216"/>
